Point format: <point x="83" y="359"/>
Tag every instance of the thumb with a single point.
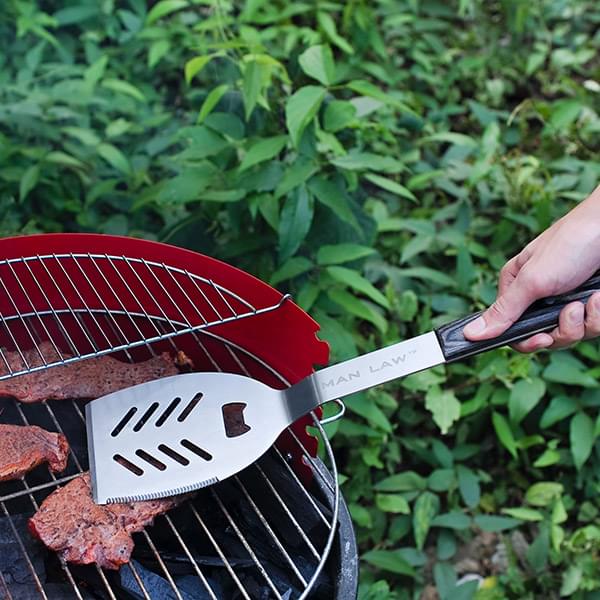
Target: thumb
<point x="508" y="307"/>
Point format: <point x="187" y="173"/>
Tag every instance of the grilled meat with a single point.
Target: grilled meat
<point x="82" y="532"/>
<point x="24" y="447"/>
<point x="90" y="378"/>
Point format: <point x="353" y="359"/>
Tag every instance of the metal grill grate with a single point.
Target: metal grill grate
<point x="123" y="324"/>
<point x="61" y="293"/>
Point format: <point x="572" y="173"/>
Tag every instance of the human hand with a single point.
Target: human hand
<point x="555" y="262"/>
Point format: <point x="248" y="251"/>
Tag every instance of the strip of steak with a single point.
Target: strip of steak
<point x="89" y="378"/>
<point x="24" y="447"/>
<point x="82" y="532"/>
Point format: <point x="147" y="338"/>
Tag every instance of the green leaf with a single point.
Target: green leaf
<point x="290" y="269"/>
<point x="571" y="581"/>
<point x="446" y="545"/>
<point x="524" y="397"/>
<point x="164" y="8"/>
<point x="543" y="493"/>
<point x="123" y="87"/>
<point x="465" y="591"/>
<point x="422" y="180"/>
<point x="537" y="553"/>
<point x="457" y="139"/>
<point x="582" y="438"/>
<point x="65" y="160"/>
<point x="222" y="195"/>
<point x="524" y="514"/>
<point x="401" y="482"/>
<point x="296" y="218"/>
<point x="441" y="480"/>
<point x="253" y="76"/>
<point x="85" y="136"/>
<point x="327" y="24"/>
<point x="187" y="186"/>
<point x="28" y="181"/>
<point x="465" y="269"/>
<point x="504" y="433"/>
<point x="565" y="368"/>
<point x="317" y="62"/>
<point x="360" y="515"/>
<point x="364" y="406"/>
<point x="301" y="108"/>
<point x="452" y="520"/>
<point x="341" y="253"/>
<point x="211" y="100"/>
<point x="202" y="142"/>
<point x="389" y="560"/>
<point x="338" y="115"/>
<point x="262" y="150"/>
<point x="428" y="275"/>
<point x="296" y="175"/>
<point x="560" y="408"/>
<point x="76" y="14"/>
<point x="357" y="282"/>
<point x="468" y="484"/>
<point x="195" y="65"/>
<point x="392" y="503"/>
<point x="408" y="305"/>
<point x="329" y="194"/>
<point x="95" y="72"/>
<point x="114" y="157"/>
<point x="444" y="407"/>
<point x="425" y="509"/>
<point x="444" y="577"/>
<point x="391" y="186"/>
<point x="564" y="114"/>
<point x="366" y="88"/>
<point x="360" y="161"/>
<point x="495" y="524"/>
<point x="158" y="49"/>
<point x="113" y="129"/>
<point x="358" y="308"/>
<point x="415" y="246"/>
<point x="547" y="458"/>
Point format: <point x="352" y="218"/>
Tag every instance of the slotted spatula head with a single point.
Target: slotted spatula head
<point x="178" y="434"/>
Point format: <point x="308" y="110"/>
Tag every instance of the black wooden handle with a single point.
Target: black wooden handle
<point x="540" y="316"/>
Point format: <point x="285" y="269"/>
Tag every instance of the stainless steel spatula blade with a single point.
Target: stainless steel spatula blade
<point x="179" y="434"/>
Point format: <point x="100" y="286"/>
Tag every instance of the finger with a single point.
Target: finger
<point x="536" y="342"/>
<point x="571" y="325"/>
<point x="592" y="316"/>
<point x="508" y="274"/>
<point x="507" y="308"/>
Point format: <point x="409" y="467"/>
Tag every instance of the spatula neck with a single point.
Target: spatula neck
<point x="374" y="368"/>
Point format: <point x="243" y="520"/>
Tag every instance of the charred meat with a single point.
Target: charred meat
<point x="89" y="378"/>
<point x="82" y="532"/>
<point x="24" y="447"/>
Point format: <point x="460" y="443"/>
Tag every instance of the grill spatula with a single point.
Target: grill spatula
<point x="182" y="433"/>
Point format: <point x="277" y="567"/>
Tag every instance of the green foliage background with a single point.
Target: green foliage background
<point x="379" y="159"/>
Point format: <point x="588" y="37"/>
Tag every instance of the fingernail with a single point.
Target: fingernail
<point x="576" y="315"/>
<point x="475" y="327"/>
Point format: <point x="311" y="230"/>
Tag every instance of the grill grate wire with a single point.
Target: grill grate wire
<point x="57" y="285"/>
<point x="122" y="324"/>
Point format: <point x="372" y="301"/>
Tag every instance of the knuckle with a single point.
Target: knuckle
<point x="500" y="310"/>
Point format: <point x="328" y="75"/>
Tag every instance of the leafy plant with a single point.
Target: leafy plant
<point x="380" y="161"/>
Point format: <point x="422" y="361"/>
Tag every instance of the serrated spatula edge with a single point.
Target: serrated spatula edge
<point x="164" y="493"/>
